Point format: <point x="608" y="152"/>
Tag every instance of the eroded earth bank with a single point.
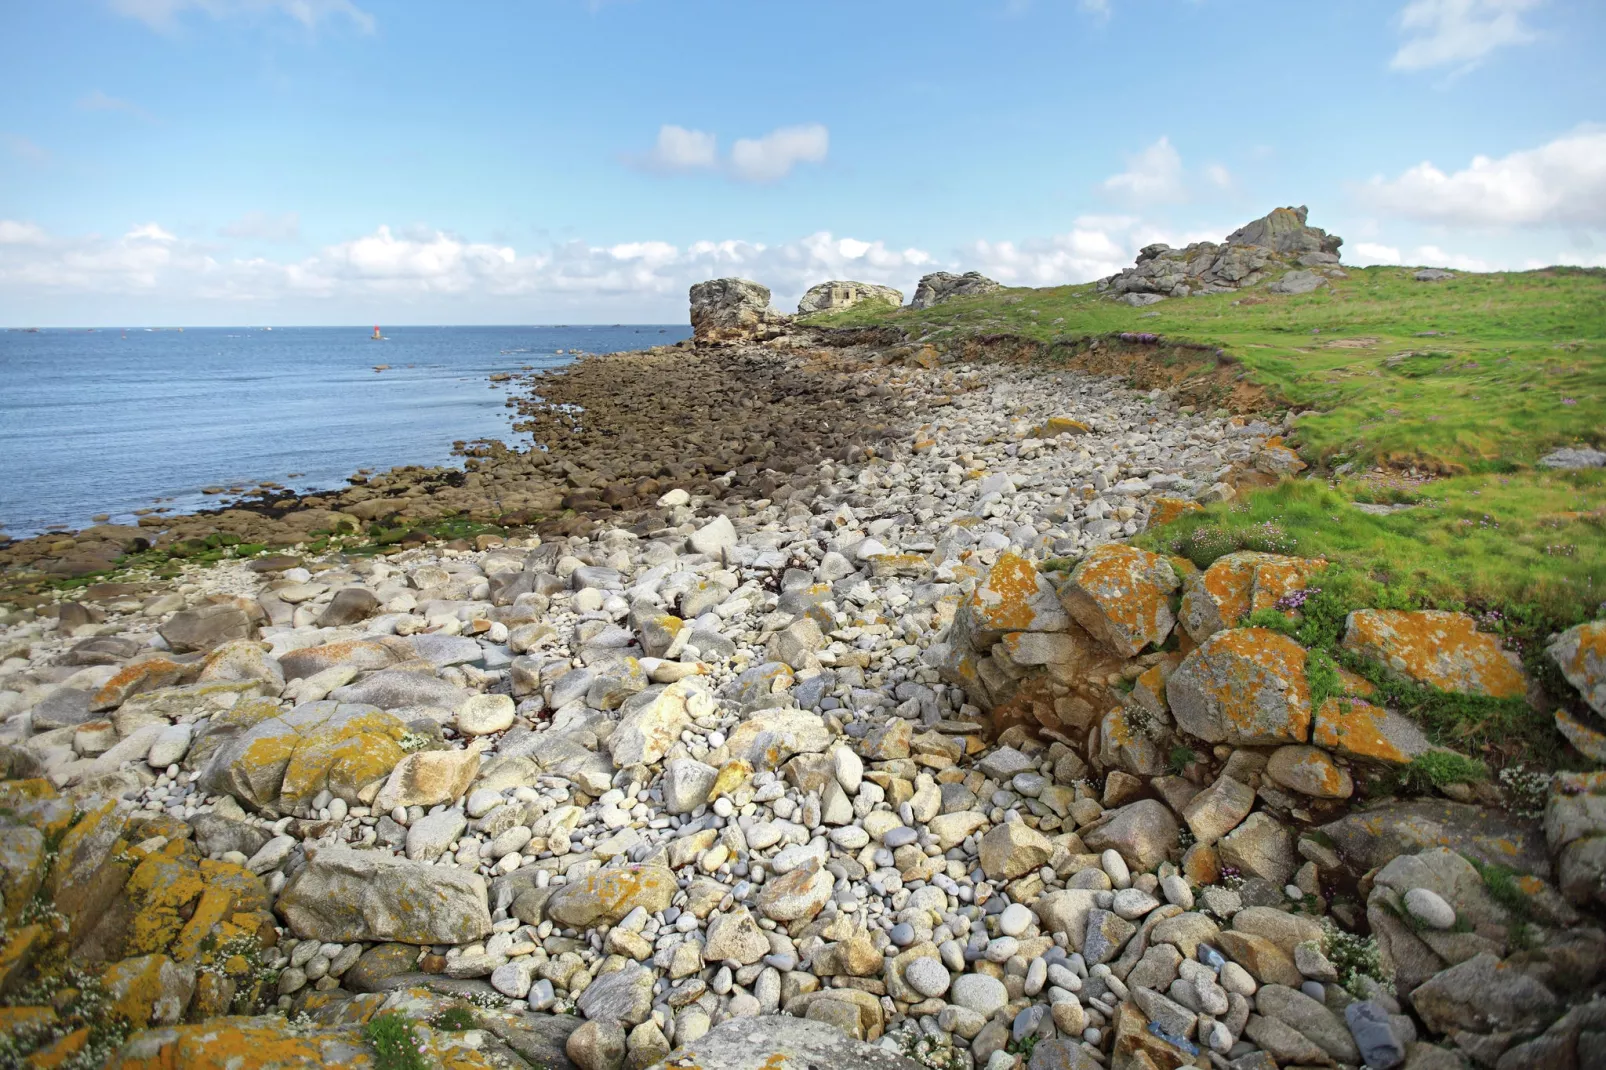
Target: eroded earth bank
<point x="813" y="706"/>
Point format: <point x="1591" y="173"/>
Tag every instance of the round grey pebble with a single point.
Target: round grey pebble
<point x="927" y="976"/>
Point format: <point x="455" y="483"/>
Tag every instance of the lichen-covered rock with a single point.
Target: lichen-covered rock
<point x="365" y="655"/>
<point x="836" y="295"/>
<point x="1368" y="839"/>
<point x="733" y="310"/>
<point x="342" y="895"/>
<point x="1356" y="728"/>
<point x="652" y="721"/>
<point x="1309" y="771"/>
<point x="1238" y="584"/>
<point x="1014" y="597"/>
<point x="609" y="894"/>
<point x="1245" y="686"/>
<point x="1122" y="596"/>
<point x="150" y="990"/>
<point x="940" y="286"/>
<point x="1436" y="648"/>
<point x="428" y="777"/>
<point x="282" y="762"/>
<point x="1580" y="653"/>
<point x="1012" y="849"/>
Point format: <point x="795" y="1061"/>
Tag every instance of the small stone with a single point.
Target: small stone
<point x="978" y="992"/>
<point x="1015" y="920"/>
<point x="927" y="976"/>
<point x="1429" y="907"/>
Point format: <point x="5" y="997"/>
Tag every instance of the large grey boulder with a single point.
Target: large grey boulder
<point x="1251" y="254"/>
<point x="1283" y="230"/>
<point x="342" y="895"/>
<point x="942" y="286"/>
<point x="836" y="295"/>
<point x="782" y="1042"/>
<point x="725" y="311"/>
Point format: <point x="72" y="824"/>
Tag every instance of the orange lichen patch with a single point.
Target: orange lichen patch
<point x="1243" y="686"/>
<point x="88" y="873"/>
<point x="1013" y="598"/>
<point x="149" y="988"/>
<point x="15" y="1018"/>
<point x="1580" y="653"/>
<point x="61" y="1053"/>
<point x="610" y="894"/>
<point x="1278" y="460"/>
<point x="14" y="793"/>
<point x="344" y="758"/>
<point x="1362" y="730"/>
<point x="1166" y="510"/>
<point x="1355" y="684"/>
<point x="1280" y="577"/>
<point x="18" y="952"/>
<point x="161" y="886"/>
<point x="147" y="675"/>
<point x="23" y="855"/>
<point x="1121" y="595"/>
<point x="266" y="1043"/>
<point x="1055" y="426"/>
<point x="1437" y="648"/>
<point x="732" y="775"/>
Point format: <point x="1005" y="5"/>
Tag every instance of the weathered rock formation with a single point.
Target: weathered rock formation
<point x="726" y="311"/>
<point x="836" y="295"/>
<point x="942" y="286"/>
<point x="1276" y="246"/>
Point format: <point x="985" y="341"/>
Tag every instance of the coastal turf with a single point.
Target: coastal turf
<point x="1441" y="396"/>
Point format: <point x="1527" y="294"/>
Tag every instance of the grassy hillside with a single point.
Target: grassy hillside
<point x="1440" y="396"/>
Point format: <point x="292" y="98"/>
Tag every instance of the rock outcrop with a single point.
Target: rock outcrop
<point x="731" y="311"/>
<point x="1278" y="246"/>
<point x="942" y="286"/>
<point x="836" y="295"/>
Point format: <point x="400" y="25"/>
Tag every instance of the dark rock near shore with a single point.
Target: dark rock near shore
<point x="725" y="311"/>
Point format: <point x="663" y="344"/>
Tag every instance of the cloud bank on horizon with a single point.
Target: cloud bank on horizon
<point x="576" y="220"/>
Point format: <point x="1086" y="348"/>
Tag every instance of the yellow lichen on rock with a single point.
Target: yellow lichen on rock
<point x="1122" y="596"/>
<point x="1243" y="686"/>
<point x="1436" y="648"/>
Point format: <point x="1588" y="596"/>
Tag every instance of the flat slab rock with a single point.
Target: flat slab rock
<point x="781" y="1042"/>
<point x="1371" y="838"/>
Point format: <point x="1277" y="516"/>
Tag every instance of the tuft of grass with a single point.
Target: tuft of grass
<point x="395" y="1043"/>
<point x="1321" y="676"/>
<point x="454" y="1019"/>
<point x="1437" y="768"/>
<point x="1180" y="758"/>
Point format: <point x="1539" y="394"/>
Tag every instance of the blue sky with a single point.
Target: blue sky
<point x="356" y="161"/>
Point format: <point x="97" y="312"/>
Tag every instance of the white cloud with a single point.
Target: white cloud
<point x="1442" y="33"/>
<point x="260" y="226"/>
<point x="762" y="160"/>
<point x="1433" y="256"/>
<point x="149" y="232"/>
<point x="164" y="14"/>
<point x="1153" y="175"/>
<point x="679" y="149"/>
<point x="1096" y="246"/>
<point x="15" y="233"/>
<point x="1562" y="182"/>
<point x="627" y="277"/>
<point x="1218" y="176"/>
<point x="772" y="157"/>
<point x="1366" y="253"/>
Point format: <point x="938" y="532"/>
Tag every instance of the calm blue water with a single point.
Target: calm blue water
<point x="109" y="421"/>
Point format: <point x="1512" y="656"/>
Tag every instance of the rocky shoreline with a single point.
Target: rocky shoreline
<point x="822" y="712"/>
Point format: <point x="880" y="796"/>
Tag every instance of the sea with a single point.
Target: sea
<point x="110" y="420"/>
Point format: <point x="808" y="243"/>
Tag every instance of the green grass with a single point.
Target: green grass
<point x="1514" y="369"/>
<point x="1536" y="540"/>
<point x="1438" y="768"/>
